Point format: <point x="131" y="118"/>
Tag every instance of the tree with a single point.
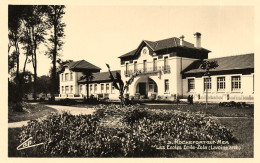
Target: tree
<point x="88" y="75"/>
<point x="55" y="14"/>
<point x="119" y="84"/>
<point x="207" y="66"/>
<point x="15" y="15"/>
<point x="35" y="29"/>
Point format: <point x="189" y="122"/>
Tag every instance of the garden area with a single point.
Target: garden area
<point x="140" y="131"/>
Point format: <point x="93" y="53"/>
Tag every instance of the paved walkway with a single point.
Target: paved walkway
<point x="60" y="109"/>
<point x="72" y="110"/>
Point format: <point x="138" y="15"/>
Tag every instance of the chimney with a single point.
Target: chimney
<point x="182" y="40"/>
<point x="198" y="39"/>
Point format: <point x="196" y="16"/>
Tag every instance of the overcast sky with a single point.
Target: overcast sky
<point x="100" y="34"/>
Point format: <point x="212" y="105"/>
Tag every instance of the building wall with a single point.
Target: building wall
<point x="69" y="82"/>
<point x="246" y="92"/>
<point x="113" y="94"/>
<point x="177" y="64"/>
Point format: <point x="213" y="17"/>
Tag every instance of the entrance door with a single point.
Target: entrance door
<point x="142" y="88"/>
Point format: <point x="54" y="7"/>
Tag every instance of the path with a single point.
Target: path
<point x="72" y="110"/>
<point x="60" y="109"/>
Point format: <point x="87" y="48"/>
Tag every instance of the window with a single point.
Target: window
<point x="102" y="87"/>
<point x="165" y="63"/>
<point x="126" y="68"/>
<point x="207" y="84"/>
<point x="221" y="84"/>
<point x="66" y="76"/>
<point x="90" y="88"/>
<point x="191" y="85"/>
<point x="152" y="86"/>
<point x="154" y="64"/>
<point x="95" y="87"/>
<point x="61" y="77"/>
<point x="145" y="65"/>
<point x="71" y="76"/>
<point x="135" y="66"/>
<point x="112" y="90"/>
<point x="166" y="85"/>
<point x="80" y="89"/>
<point x="71" y="89"/>
<point x="107" y="87"/>
<point x="67" y="89"/>
<point x="62" y="88"/>
<point x="236" y="83"/>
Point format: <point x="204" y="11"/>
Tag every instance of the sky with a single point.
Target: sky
<point x="100" y="34"/>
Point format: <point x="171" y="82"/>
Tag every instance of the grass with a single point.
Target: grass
<point x="33" y="111"/>
<point x="243" y="130"/>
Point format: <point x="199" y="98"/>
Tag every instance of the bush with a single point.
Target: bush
<point x="234" y="104"/>
<point x="115" y="131"/>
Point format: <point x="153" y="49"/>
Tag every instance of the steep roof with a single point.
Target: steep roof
<point x="101" y="77"/>
<point x="244" y="61"/>
<point x="164" y="44"/>
<point x="82" y="65"/>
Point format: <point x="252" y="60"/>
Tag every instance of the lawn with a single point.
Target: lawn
<point x="213" y="109"/>
<point x="243" y="130"/>
<point x="33" y="111"/>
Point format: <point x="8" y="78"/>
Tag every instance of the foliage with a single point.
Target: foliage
<point x="234" y="104"/>
<point x="55" y="14"/>
<point x="107" y="133"/>
<point x="208" y="65"/>
<point x="119" y="84"/>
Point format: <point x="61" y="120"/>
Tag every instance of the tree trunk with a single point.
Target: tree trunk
<point x="87" y="87"/>
<point x="54" y="78"/>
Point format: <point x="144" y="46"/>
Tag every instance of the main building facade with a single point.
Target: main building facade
<point x="169" y="69"/>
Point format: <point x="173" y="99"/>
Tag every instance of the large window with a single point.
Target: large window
<point x="67" y="89"/>
<point x="236" y="83"/>
<point x="145" y="65"/>
<point x="107" y="88"/>
<point x="102" y="87"/>
<point x="71" y="76"/>
<point x="191" y="85"/>
<point x="95" y="87"/>
<point x="80" y="89"/>
<point x="221" y="84"/>
<point x="91" y="87"/>
<point x="62" y="88"/>
<point x="207" y="84"/>
<point x="62" y="77"/>
<point x="66" y="76"/>
<point x="154" y="64"/>
<point x="126" y="68"/>
<point x="71" y="89"/>
<point x="113" y="89"/>
<point x="165" y="63"/>
<point x="166" y="85"/>
<point x="135" y="66"/>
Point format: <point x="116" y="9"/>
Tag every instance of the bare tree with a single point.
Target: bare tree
<point x="207" y="66"/>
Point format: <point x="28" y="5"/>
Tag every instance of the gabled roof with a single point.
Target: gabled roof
<point x="82" y="65"/>
<point x="163" y="44"/>
<point x="101" y="77"/>
<point x="244" y="61"/>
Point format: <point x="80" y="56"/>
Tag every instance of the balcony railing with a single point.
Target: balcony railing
<point x="149" y="70"/>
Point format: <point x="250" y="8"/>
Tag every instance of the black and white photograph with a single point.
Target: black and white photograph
<point x="129" y="81"/>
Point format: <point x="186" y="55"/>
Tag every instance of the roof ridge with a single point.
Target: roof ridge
<point x="232" y="56"/>
<point x="77" y="63"/>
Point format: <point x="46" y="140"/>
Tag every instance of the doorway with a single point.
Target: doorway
<point x="142" y="88"/>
